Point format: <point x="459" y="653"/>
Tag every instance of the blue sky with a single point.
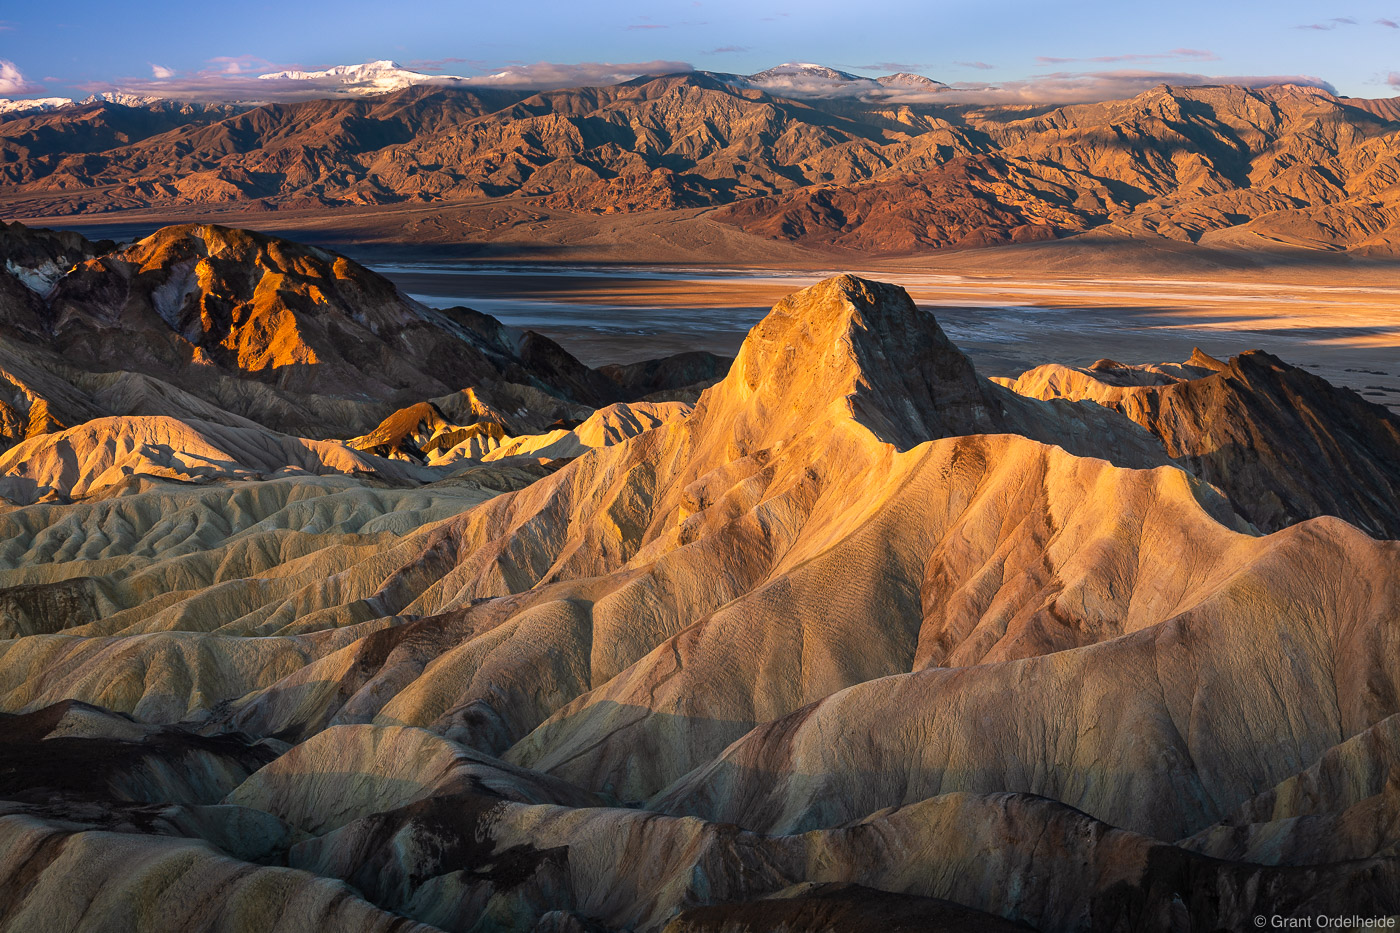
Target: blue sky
<point x="1034" y="46"/>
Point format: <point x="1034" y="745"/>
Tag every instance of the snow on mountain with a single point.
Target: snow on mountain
<point x="805" y="70"/>
<point x="805" y="79"/>
<point x="119" y="98"/>
<point x="904" y="79"/>
<point x="379" y="77"/>
<point x="33" y="104"/>
<point x="123" y="98"/>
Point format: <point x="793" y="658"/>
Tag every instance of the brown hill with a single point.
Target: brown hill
<point x="1284" y="166"/>
<point x="1283" y="444"/>
<point x="36" y="144"/>
<point x="226" y="324"/>
<point x="577" y="145"/>
<point x="969" y="201"/>
<point x="290" y="316"/>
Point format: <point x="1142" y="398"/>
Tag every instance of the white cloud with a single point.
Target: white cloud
<point x="161" y="72"/>
<point x="1069" y="87"/>
<point x="240" y="64"/>
<point x="1061" y="87"/>
<point x="12" y="82"/>
<point x="546" y="75"/>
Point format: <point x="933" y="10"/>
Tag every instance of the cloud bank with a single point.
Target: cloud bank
<point x="250" y="79"/>
<point x="1073" y="87"/>
<point x="1059" y="87"/>
<point x="12" y="82"/>
<point x="549" y="75"/>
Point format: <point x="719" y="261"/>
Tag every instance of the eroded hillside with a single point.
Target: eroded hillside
<point x="857" y="633"/>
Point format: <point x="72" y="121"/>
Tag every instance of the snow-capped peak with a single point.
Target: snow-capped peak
<point x="384" y="67"/>
<point x="905" y="79"/>
<point x="804" y="70"/>
<point x="806" y="79"/>
<point x="379" y="77"/>
<point x="33" y="104"/>
<point x="121" y="97"/>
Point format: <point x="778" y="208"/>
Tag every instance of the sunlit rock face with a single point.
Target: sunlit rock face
<point x="210" y="324"/>
<point x="856" y="638"/>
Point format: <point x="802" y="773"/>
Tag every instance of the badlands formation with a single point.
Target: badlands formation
<point x="346" y="614"/>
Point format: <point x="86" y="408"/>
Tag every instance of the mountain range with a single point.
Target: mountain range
<point x="320" y="609"/>
<point x="1284" y="167"/>
<point x="381" y="77"/>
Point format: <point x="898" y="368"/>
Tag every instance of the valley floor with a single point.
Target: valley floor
<point x="618" y="288"/>
<point x="1347" y="333"/>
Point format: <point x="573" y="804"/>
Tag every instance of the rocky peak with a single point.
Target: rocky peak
<point x="857" y="346"/>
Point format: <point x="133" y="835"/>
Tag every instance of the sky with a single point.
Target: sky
<point x="1029" y="49"/>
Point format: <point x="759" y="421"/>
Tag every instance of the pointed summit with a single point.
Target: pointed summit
<point x="804" y="70"/>
<point x="908" y="81"/>
<point x="1203" y="360"/>
<point x="857" y="348"/>
<point x="851" y="353"/>
<point x="378" y="77"/>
